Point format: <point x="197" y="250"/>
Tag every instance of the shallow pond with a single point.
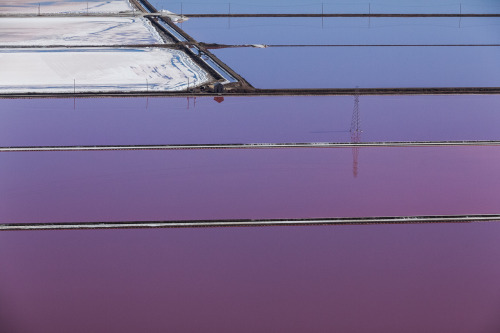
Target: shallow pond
<point x="399" y="278"/>
<point x="247" y="184"/>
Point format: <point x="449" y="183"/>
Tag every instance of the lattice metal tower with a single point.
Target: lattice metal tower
<point x="355" y="133"/>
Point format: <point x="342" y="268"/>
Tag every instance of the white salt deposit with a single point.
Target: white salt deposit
<point x="97" y="70"/>
<point x="174" y="17"/>
<point x="74" y="6"/>
<point x="41" y="31"/>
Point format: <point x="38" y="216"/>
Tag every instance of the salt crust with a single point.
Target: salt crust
<point x="62" y="70"/>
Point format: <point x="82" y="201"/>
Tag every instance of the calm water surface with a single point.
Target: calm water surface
<point x="384" y="278"/>
<point x="399" y="278"/>
<point x="374" y="67"/>
<point x="140" y="121"/>
<point x="345" y="30"/>
<point x="246" y="184"/>
<point x="331" y="6"/>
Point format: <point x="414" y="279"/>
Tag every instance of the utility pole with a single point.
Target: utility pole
<point x="181" y="16"/>
<point x="460" y="19"/>
<point x="369" y="14"/>
<point x="322" y="14"/>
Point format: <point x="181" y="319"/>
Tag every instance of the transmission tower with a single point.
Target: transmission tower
<point x="355" y="133"/>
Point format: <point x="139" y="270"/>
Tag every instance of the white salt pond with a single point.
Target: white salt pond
<point x="57" y="7"/>
<point x="62" y="70"/>
<point x="42" y="31"/>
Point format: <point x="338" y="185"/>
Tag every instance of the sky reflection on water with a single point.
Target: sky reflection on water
<point x="354" y="30"/>
<point x="247" y="184"/>
<point x="329" y="6"/>
<point x="366" y="67"/>
<point x="141" y="121"/>
<point x="370" y="278"/>
<point x="384" y="278"/>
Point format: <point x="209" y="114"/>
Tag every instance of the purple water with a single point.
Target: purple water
<point x="367" y="67"/>
<point x="247" y="184"/>
<point x="399" y="278"/>
<point x="137" y="121"/>
<point x="371" y="278"/>
<point x="307" y="31"/>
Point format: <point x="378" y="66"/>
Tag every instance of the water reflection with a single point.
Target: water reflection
<point x="219" y="99"/>
<point x="328" y="7"/>
<point x="384" y="278"/>
<point x="189" y="102"/>
<point x="370" y="67"/>
<point x="346" y="31"/>
<point x="245" y="120"/>
<point x="159" y="185"/>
